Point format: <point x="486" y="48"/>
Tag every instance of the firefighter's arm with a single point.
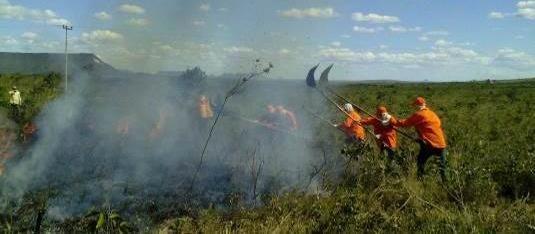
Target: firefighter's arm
<point x="367" y="121"/>
<point x="411" y="121"/>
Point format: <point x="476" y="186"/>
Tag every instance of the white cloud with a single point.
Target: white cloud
<point x="222" y="9"/>
<point x="423" y="38"/>
<point x="374" y="18"/>
<point x="367" y="30"/>
<point x="222" y="26"/>
<point x="205" y="7"/>
<point x="139" y="22"/>
<point x="514" y="59"/>
<point x="8" y="41"/>
<point x="383" y="47"/>
<point x="345" y="36"/>
<point x="442" y="42"/>
<point x="29" y="36"/>
<point x="102" y="16"/>
<point x="132" y="9"/>
<point x="199" y="23"/>
<point x="437" y="33"/>
<point x="236" y="49"/>
<point x="402" y="29"/>
<point x="444" y="54"/>
<point x="526" y="4"/>
<point x="310" y="13"/>
<point x="17" y="12"/>
<point x="336" y="43"/>
<point x="496" y="15"/>
<point x="519" y="37"/>
<point x="526" y="9"/>
<point x="101" y="36"/>
<point x="284" y="51"/>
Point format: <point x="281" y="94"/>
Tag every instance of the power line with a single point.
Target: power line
<point x="67" y="28"/>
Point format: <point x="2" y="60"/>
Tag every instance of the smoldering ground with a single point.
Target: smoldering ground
<point x="125" y="142"/>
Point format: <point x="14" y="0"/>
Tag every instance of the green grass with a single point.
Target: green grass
<point x="36" y="91"/>
<point x="490" y="131"/>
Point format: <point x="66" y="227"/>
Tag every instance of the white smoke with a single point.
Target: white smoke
<point x="126" y="141"/>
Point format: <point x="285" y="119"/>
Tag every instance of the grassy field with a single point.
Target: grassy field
<point x="36" y="91"/>
<point x="490" y="130"/>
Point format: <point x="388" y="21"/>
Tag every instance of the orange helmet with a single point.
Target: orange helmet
<point x="419" y="101"/>
<point x="381" y="110"/>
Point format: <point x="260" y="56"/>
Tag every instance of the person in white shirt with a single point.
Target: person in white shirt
<point x="15" y="98"/>
<point x="15" y="101"/>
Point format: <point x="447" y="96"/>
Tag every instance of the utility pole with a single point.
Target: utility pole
<point x="67" y="28"/>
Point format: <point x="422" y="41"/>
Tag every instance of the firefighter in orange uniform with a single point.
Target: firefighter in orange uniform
<point x="432" y="139"/>
<point x="205" y="108"/>
<point x="384" y="131"/>
<point x="351" y="126"/>
<point x="288" y="118"/>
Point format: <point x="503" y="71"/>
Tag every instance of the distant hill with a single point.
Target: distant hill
<point x="39" y="63"/>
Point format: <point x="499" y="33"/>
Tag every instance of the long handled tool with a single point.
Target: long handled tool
<point x="323" y="82"/>
<point x="312" y="83"/>
<point x="270" y="127"/>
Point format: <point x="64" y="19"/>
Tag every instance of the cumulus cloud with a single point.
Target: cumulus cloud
<point x="402" y="29"/>
<point x="132" y="9"/>
<point x="101" y="36"/>
<point x="437" y="33"/>
<point x="205" y="7"/>
<point x="102" y="16"/>
<point x="514" y="59"/>
<point x="423" y="38"/>
<point x="374" y="18"/>
<point x="526" y="9"/>
<point x="199" y="23"/>
<point x="29" y="36"/>
<point x="446" y="53"/>
<point x="443" y="42"/>
<point x="8" y="41"/>
<point x="138" y="22"/>
<point x="323" y="13"/>
<point x="360" y="29"/>
<point x="496" y="15"/>
<point x="336" y="43"/>
<point x="17" y="12"/>
<point x="284" y="51"/>
<point x="237" y="49"/>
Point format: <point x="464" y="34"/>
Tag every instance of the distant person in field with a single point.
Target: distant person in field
<point x="28" y="132"/>
<point x="384" y="131"/>
<point x="205" y="108"/>
<point x="351" y="126"/>
<point x="271" y="118"/>
<point x="289" y="121"/>
<point x="15" y="101"/>
<point x="432" y="139"/>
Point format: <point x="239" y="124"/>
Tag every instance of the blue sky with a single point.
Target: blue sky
<point x="381" y="39"/>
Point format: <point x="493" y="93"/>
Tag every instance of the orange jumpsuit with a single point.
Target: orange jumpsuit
<point x="352" y="128"/>
<point x="427" y="125"/>
<point x="290" y="117"/>
<point x="387" y="134"/>
<point x="205" y="110"/>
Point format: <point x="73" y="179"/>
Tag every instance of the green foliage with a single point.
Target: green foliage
<point x="490" y="132"/>
<point x="36" y="91"/>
